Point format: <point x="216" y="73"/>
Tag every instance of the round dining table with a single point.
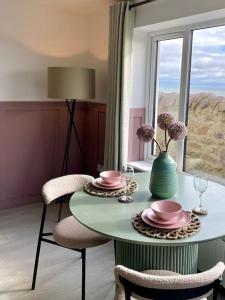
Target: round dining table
<point x="134" y="250"/>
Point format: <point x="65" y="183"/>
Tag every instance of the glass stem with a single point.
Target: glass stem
<point x="126" y="189"/>
<point x="200" y="200"/>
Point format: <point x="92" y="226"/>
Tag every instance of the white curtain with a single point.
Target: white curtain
<point x="117" y="113"/>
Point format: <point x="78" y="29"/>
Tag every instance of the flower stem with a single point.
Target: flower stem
<point x="165" y="138"/>
<point x="160" y="150"/>
<point x="168" y="145"/>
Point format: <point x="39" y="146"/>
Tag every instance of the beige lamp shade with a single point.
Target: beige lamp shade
<point x="71" y="83"/>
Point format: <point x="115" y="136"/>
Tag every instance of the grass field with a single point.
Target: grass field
<point x="205" y="150"/>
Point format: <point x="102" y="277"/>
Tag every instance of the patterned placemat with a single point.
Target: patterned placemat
<point x="91" y="189"/>
<point x="192" y="228"/>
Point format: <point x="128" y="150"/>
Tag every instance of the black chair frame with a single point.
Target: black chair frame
<point x="173" y="294"/>
<point x="42" y="238"/>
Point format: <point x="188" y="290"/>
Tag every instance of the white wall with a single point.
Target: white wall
<point x="165" y="10"/>
<point x="98" y="47"/>
<point x="34" y="36"/>
<point x="140" y="46"/>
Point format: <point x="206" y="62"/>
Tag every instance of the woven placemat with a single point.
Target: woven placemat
<point x="192" y="228"/>
<point x="91" y="189"/>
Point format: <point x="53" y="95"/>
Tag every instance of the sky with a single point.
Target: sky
<point x="207" y="67"/>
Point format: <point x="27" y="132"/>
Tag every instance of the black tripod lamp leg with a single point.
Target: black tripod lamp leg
<point x="72" y="116"/>
<point x="66" y="152"/>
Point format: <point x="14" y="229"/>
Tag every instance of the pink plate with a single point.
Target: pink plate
<point x="153" y="217"/>
<point x="119" y="186"/>
<point x="101" y="182"/>
<point x="178" y="224"/>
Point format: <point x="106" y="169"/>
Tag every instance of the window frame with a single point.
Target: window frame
<point x="185" y="32"/>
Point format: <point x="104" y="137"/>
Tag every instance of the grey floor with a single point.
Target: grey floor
<point x="59" y="273"/>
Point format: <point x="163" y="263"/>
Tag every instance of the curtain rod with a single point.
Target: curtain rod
<point x="140" y="3"/>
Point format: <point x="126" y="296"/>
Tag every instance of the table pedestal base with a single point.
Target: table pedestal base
<point x="182" y="259"/>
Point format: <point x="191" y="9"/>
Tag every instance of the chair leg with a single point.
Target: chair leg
<point x="38" y="248"/>
<point x="216" y="288"/>
<point x="114" y="245"/>
<point x="60" y="209"/>
<point x="83" y="256"/>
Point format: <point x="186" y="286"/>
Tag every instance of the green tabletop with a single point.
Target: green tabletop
<point x="113" y="219"/>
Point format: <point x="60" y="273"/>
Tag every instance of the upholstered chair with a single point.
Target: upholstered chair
<point x="68" y="232"/>
<point x="166" y="285"/>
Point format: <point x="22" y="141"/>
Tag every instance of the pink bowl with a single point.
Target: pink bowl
<point x="166" y="209"/>
<point x="111" y="177"/>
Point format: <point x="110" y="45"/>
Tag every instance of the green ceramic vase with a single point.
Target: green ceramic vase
<point x="163" y="181"/>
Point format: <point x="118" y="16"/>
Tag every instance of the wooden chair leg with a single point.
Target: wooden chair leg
<point x="38" y="248"/>
<point x="83" y="255"/>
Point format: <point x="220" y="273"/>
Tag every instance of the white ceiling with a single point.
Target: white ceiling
<point x="83" y="7"/>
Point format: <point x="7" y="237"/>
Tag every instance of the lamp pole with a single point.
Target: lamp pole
<point x="72" y="125"/>
<point x="71" y="83"/>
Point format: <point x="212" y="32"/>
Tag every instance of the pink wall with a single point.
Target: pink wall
<point x="32" y="136"/>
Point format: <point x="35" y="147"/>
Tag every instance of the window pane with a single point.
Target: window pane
<point x="205" y="148"/>
<point x="168" y="85"/>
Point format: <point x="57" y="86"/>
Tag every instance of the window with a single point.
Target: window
<point x="168" y="76"/>
<point x="187" y="78"/>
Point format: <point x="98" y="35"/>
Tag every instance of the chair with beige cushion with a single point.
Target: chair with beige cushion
<point x="68" y="233"/>
<point x="166" y="285"/>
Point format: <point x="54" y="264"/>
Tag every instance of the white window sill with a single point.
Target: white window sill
<point x="146" y="166"/>
<point x="141" y="165"/>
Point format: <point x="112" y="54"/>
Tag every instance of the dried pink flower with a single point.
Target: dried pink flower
<point x="165" y="120"/>
<point x="145" y="133"/>
<point x="177" y="131"/>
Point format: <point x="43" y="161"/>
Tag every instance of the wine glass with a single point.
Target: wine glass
<point x="200" y="185"/>
<point x="127" y="175"/>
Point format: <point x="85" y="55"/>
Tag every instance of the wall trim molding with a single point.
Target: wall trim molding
<point x="32" y="138"/>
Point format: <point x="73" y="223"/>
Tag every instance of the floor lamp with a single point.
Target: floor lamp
<point x="72" y="84"/>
